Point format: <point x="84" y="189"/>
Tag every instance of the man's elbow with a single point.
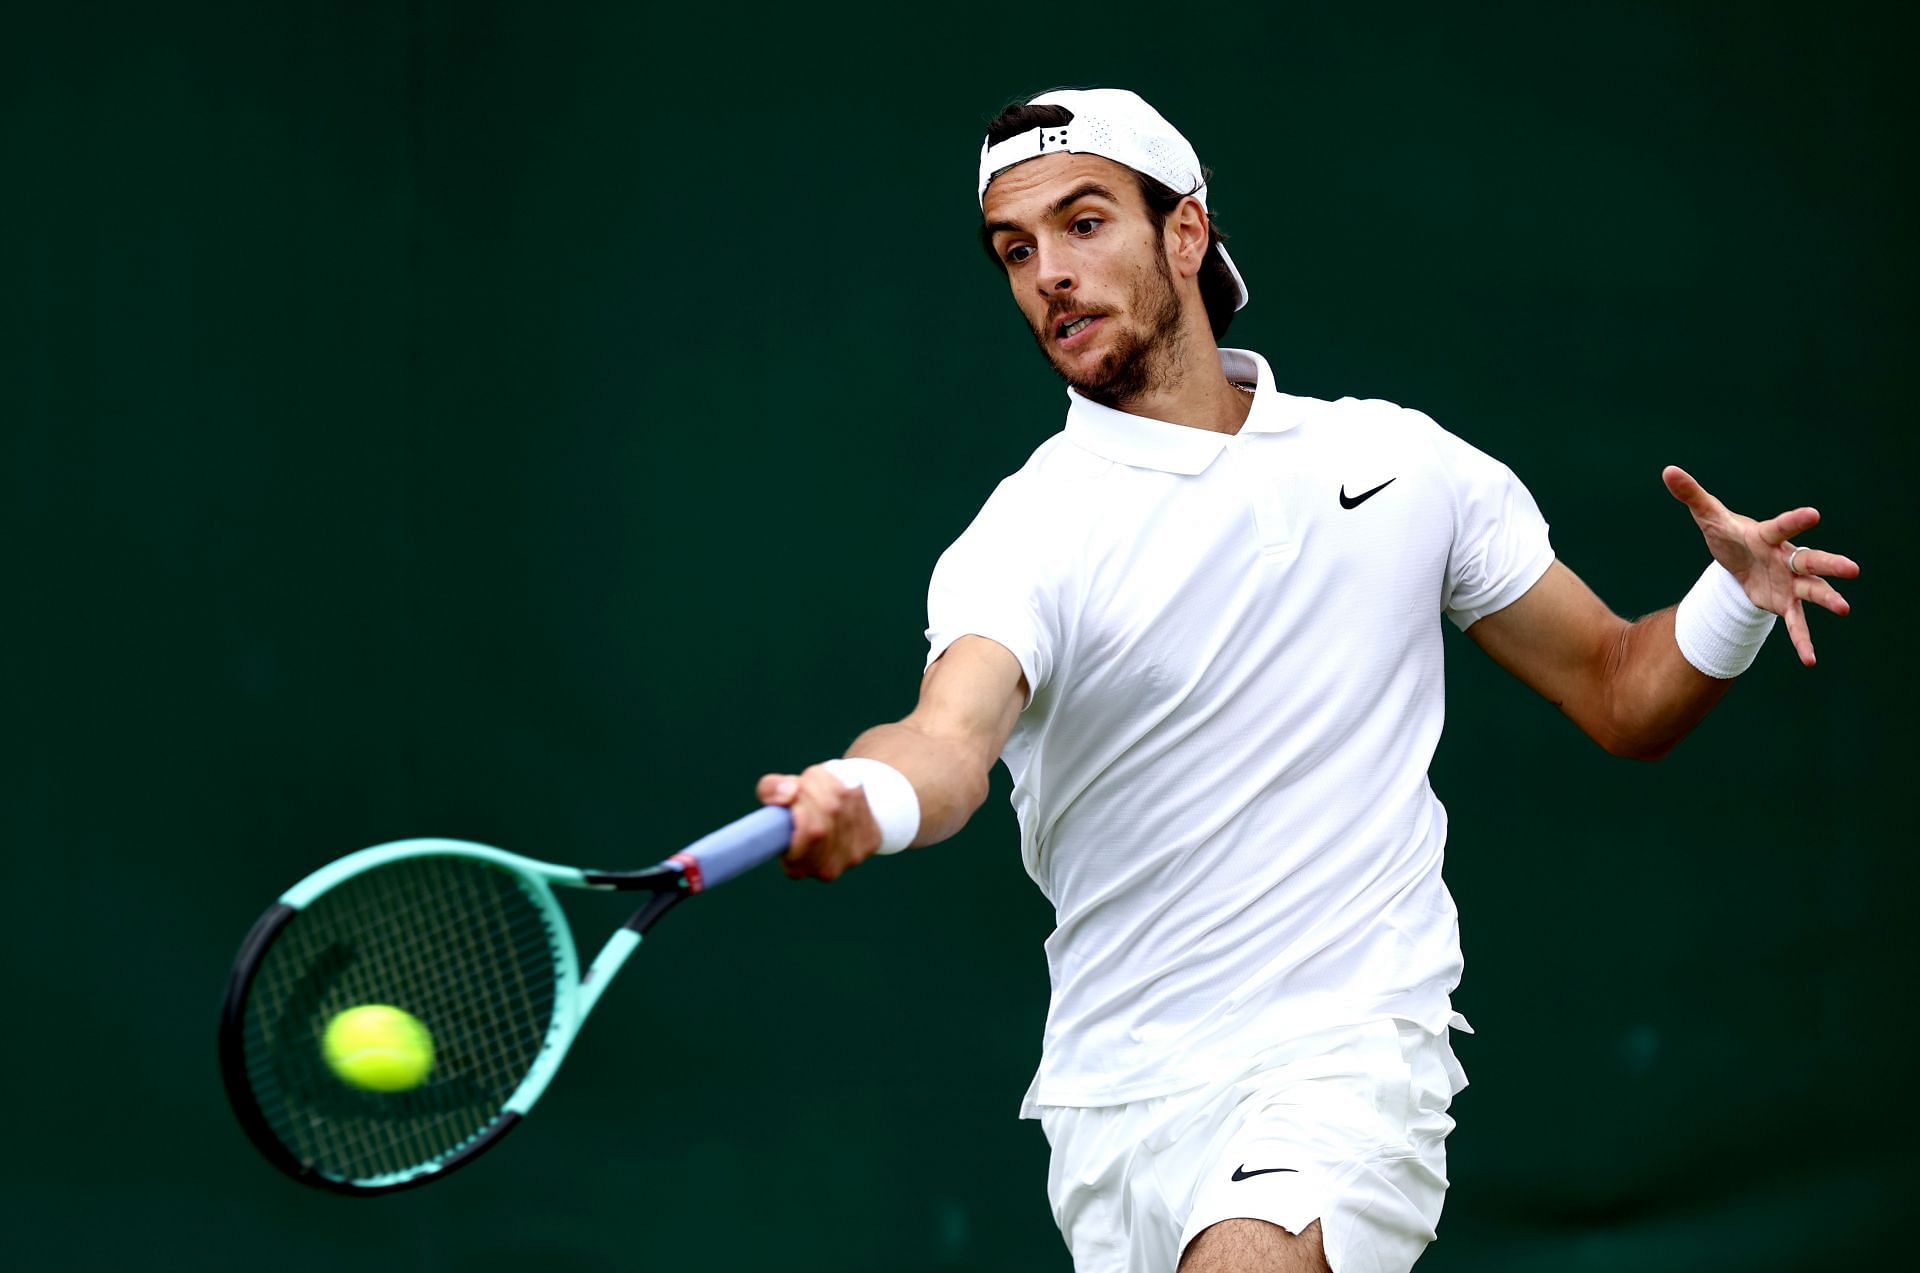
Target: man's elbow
<point x="949" y="803"/>
<point x="973" y="791"/>
<point x="1636" y="744"/>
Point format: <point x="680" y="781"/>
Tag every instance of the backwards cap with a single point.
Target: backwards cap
<point x="1118" y="125"/>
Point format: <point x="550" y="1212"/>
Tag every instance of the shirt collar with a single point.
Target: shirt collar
<point x="1143" y="442"/>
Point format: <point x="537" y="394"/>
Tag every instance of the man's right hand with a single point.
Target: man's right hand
<point x="833" y="829"/>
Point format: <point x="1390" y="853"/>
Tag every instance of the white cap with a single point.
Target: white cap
<point x="1114" y="124"/>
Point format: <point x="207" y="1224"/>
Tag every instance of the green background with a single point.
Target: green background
<point x="531" y="422"/>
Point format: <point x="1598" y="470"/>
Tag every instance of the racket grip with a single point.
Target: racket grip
<point x="736" y="848"/>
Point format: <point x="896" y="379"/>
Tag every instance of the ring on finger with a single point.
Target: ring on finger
<point x="1793" y="562"/>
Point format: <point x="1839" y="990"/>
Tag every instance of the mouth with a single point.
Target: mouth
<point x="1073" y="328"/>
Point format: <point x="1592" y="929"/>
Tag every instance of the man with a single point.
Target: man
<point x="1202" y="628"/>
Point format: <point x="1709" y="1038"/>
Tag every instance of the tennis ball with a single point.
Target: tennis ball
<point x="378" y="1047"/>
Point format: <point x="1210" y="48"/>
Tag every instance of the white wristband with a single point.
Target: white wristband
<point x="895" y="805"/>
<point x="1718" y="629"/>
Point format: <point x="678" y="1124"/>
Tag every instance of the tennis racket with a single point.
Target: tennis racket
<point x="472" y="942"/>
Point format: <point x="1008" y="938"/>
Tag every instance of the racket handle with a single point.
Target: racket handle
<point x="736" y="848"/>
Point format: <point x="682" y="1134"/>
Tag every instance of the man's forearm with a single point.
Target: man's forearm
<point x="948" y="774"/>
<point x="970" y="699"/>
<point x="1627" y="685"/>
<point x="1654" y="697"/>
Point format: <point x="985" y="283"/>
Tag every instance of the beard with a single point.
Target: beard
<point x="1141" y="358"/>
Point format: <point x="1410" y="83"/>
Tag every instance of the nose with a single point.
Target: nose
<point x="1054" y="275"/>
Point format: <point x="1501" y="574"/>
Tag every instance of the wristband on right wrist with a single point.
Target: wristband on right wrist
<point x="1718" y="629"/>
<point x="895" y="804"/>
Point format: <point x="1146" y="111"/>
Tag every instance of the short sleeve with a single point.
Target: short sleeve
<point x="994" y="582"/>
<point x="1500" y="545"/>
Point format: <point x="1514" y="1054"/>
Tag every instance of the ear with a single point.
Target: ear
<point x="1186" y="237"/>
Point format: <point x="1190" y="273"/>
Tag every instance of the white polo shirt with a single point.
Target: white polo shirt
<point x="1234" y="649"/>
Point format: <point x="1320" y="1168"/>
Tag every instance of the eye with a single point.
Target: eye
<point x="1084" y="226"/>
<point x="1018" y="253"/>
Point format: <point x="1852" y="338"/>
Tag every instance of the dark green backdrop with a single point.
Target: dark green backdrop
<point x="530" y="422"/>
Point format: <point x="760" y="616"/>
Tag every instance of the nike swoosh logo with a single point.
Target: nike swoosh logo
<point x="1357" y="500"/>
<point x="1241" y="1172"/>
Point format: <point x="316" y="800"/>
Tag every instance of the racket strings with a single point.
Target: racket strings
<point x="464" y="946"/>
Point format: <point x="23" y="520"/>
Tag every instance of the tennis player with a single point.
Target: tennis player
<point x="1202" y="627"/>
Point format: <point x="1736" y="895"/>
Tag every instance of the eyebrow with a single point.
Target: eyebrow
<point x="1085" y="190"/>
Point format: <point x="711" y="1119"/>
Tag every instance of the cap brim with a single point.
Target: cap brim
<point x="1238" y="282"/>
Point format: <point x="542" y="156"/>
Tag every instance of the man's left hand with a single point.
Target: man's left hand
<point x="1777" y="575"/>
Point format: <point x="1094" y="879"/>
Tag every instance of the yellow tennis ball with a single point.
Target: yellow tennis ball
<point x="378" y="1047"/>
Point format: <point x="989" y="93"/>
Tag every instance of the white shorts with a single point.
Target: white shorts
<point x="1346" y="1126"/>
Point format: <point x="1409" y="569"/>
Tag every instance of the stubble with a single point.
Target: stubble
<point x="1141" y="359"/>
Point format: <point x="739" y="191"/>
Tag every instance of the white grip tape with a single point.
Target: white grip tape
<point x="1719" y="631"/>
<point x="895" y="804"/>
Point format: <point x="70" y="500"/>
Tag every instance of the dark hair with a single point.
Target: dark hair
<point x="1217" y="290"/>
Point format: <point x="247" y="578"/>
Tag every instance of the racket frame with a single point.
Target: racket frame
<point x="575" y="995"/>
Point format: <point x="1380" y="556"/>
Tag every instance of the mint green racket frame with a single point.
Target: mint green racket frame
<point x="711" y="860"/>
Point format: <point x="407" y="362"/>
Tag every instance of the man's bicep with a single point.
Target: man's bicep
<point x="1556" y="637"/>
<point x="973" y="693"/>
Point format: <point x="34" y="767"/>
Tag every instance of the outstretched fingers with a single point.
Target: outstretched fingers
<point x="1761" y="554"/>
<point x="1797" y="630"/>
<point x="1821" y="593"/>
<point x="1812" y="561"/>
<point x="1682" y="486"/>
<point x="1778" y="530"/>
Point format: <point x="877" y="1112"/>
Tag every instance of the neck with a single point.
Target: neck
<point x="1193" y="389"/>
